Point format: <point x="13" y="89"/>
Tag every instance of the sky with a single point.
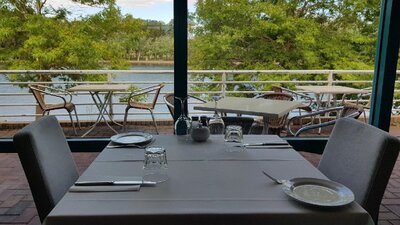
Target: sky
<point x="144" y="9"/>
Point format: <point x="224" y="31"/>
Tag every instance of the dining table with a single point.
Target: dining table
<point x="95" y="90"/>
<point x="207" y="184"/>
<point x="321" y="91"/>
<point x="267" y="108"/>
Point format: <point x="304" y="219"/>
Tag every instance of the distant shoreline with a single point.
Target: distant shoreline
<point x="134" y="62"/>
<point x="151" y="62"/>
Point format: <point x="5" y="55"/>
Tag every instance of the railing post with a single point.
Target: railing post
<point x="223" y="85"/>
<point x="330" y="83"/>
<point x="330" y="78"/>
<point x="110" y="107"/>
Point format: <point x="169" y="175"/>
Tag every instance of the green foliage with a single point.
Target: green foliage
<point x="35" y="36"/>
<point x="281" y="34"/>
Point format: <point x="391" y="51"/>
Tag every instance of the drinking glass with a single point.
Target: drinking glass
<point x="216" y="124"/>
<point x="183" y="123"/>
<point x="233" y="138"/>
<point x="155" y="164"/>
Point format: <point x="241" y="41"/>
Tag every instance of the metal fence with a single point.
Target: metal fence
<point x="16" y="103"/>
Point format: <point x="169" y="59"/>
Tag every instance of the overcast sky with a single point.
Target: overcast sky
<point x="145" y="9"/>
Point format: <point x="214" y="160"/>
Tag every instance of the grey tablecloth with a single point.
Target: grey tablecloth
<point x="206" y="185"/>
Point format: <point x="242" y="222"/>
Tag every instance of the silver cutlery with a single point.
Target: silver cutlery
<point x="276" y="180"/>
<point x="268" y="147"/>
<point x="106" y="183"/>
<point x="126" y="146"/>
<point x="266" y="144"/>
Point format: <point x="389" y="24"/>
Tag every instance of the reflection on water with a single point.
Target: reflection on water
<point x="86" y="99"/>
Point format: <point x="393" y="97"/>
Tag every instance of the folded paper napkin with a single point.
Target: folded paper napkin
<point x="108" y="188"/>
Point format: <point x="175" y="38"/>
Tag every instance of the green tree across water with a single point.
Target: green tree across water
<point x="282" y="34"/>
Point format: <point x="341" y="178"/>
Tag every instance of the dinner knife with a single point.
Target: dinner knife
<point x="265" y="144"/>
<point x="106" y="183"/>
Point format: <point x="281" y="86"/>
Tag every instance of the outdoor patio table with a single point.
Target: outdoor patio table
<point x="266" y="108"/>
<point x="101" y="104"/>
<point x="206" y="185"/>
<point x="334" y="90"/>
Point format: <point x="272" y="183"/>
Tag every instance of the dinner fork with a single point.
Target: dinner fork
<point x="278" y="181"/>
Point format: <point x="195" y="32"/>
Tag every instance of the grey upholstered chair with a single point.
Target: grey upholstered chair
<point x="47" y="162"/>
<point x="362" y="158"/>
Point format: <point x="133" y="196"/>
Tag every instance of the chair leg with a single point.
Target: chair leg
<point x="77" y="120"/>
<point x="72" y="121"/>
<point x="125" y="119"/>
<point x="154" y="121"/>
<point x="365" y="116"/>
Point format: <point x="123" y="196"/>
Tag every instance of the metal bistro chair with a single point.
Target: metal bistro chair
<point x="47" y="162"/>
<point x="39" y="91"/>
<point x="244" y="122"/>
<point x="361" y="157"/>
<point x="169" y="101"/>
<point x="307" y="100"/>
<point x="275" y="125"/>
<point x="143" y="105"/>
<point x="346" y="111"/>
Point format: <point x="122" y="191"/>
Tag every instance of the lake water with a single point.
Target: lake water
<point x="84" y="99"/>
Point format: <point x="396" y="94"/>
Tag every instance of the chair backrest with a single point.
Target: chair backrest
<point x="277" y="123"/>
<point x="37" y="93"/>
<point x="47" y="162"/>
<point x="157" y="93"/>
<point x="362" y="158"/>
<point x="244" y="122"/>
<point x="351" y="110"/>
<point x="169" y="100"/>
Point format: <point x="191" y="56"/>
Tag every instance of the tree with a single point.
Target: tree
<point x="283" y="34"/>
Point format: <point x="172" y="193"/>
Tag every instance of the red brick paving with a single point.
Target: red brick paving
<point x="17" y="206"/>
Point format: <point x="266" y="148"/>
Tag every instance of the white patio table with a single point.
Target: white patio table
<point x="206" y="185"/>
<point x="333" y="90"/>
<point x="251" y="106"/>
<point x="95" y="90"/>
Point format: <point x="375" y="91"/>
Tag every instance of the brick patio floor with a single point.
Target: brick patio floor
<point x="17" y="206"/>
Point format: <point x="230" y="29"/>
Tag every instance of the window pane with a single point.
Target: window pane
<point x="128" y="42"/>
<point x="247" y="47"/>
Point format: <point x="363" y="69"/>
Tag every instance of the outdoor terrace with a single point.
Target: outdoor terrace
<point x="16" y="204"/>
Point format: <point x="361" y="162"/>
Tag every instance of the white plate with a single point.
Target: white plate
<point x="318" y="192"/>
<point x="132" y="138"/>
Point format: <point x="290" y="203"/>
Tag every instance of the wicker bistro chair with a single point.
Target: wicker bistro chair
<point x="143" y="105"/>
<point x="169" y="101"/>
<point x="275" y="125"/>
<point x="346" y="111"/>
<point x="307" y="100"/>
<point x="40" y="91"/>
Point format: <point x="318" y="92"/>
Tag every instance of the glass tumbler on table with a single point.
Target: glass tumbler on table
<point x="155" y="164"/>
<point x="233" y="138"/>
